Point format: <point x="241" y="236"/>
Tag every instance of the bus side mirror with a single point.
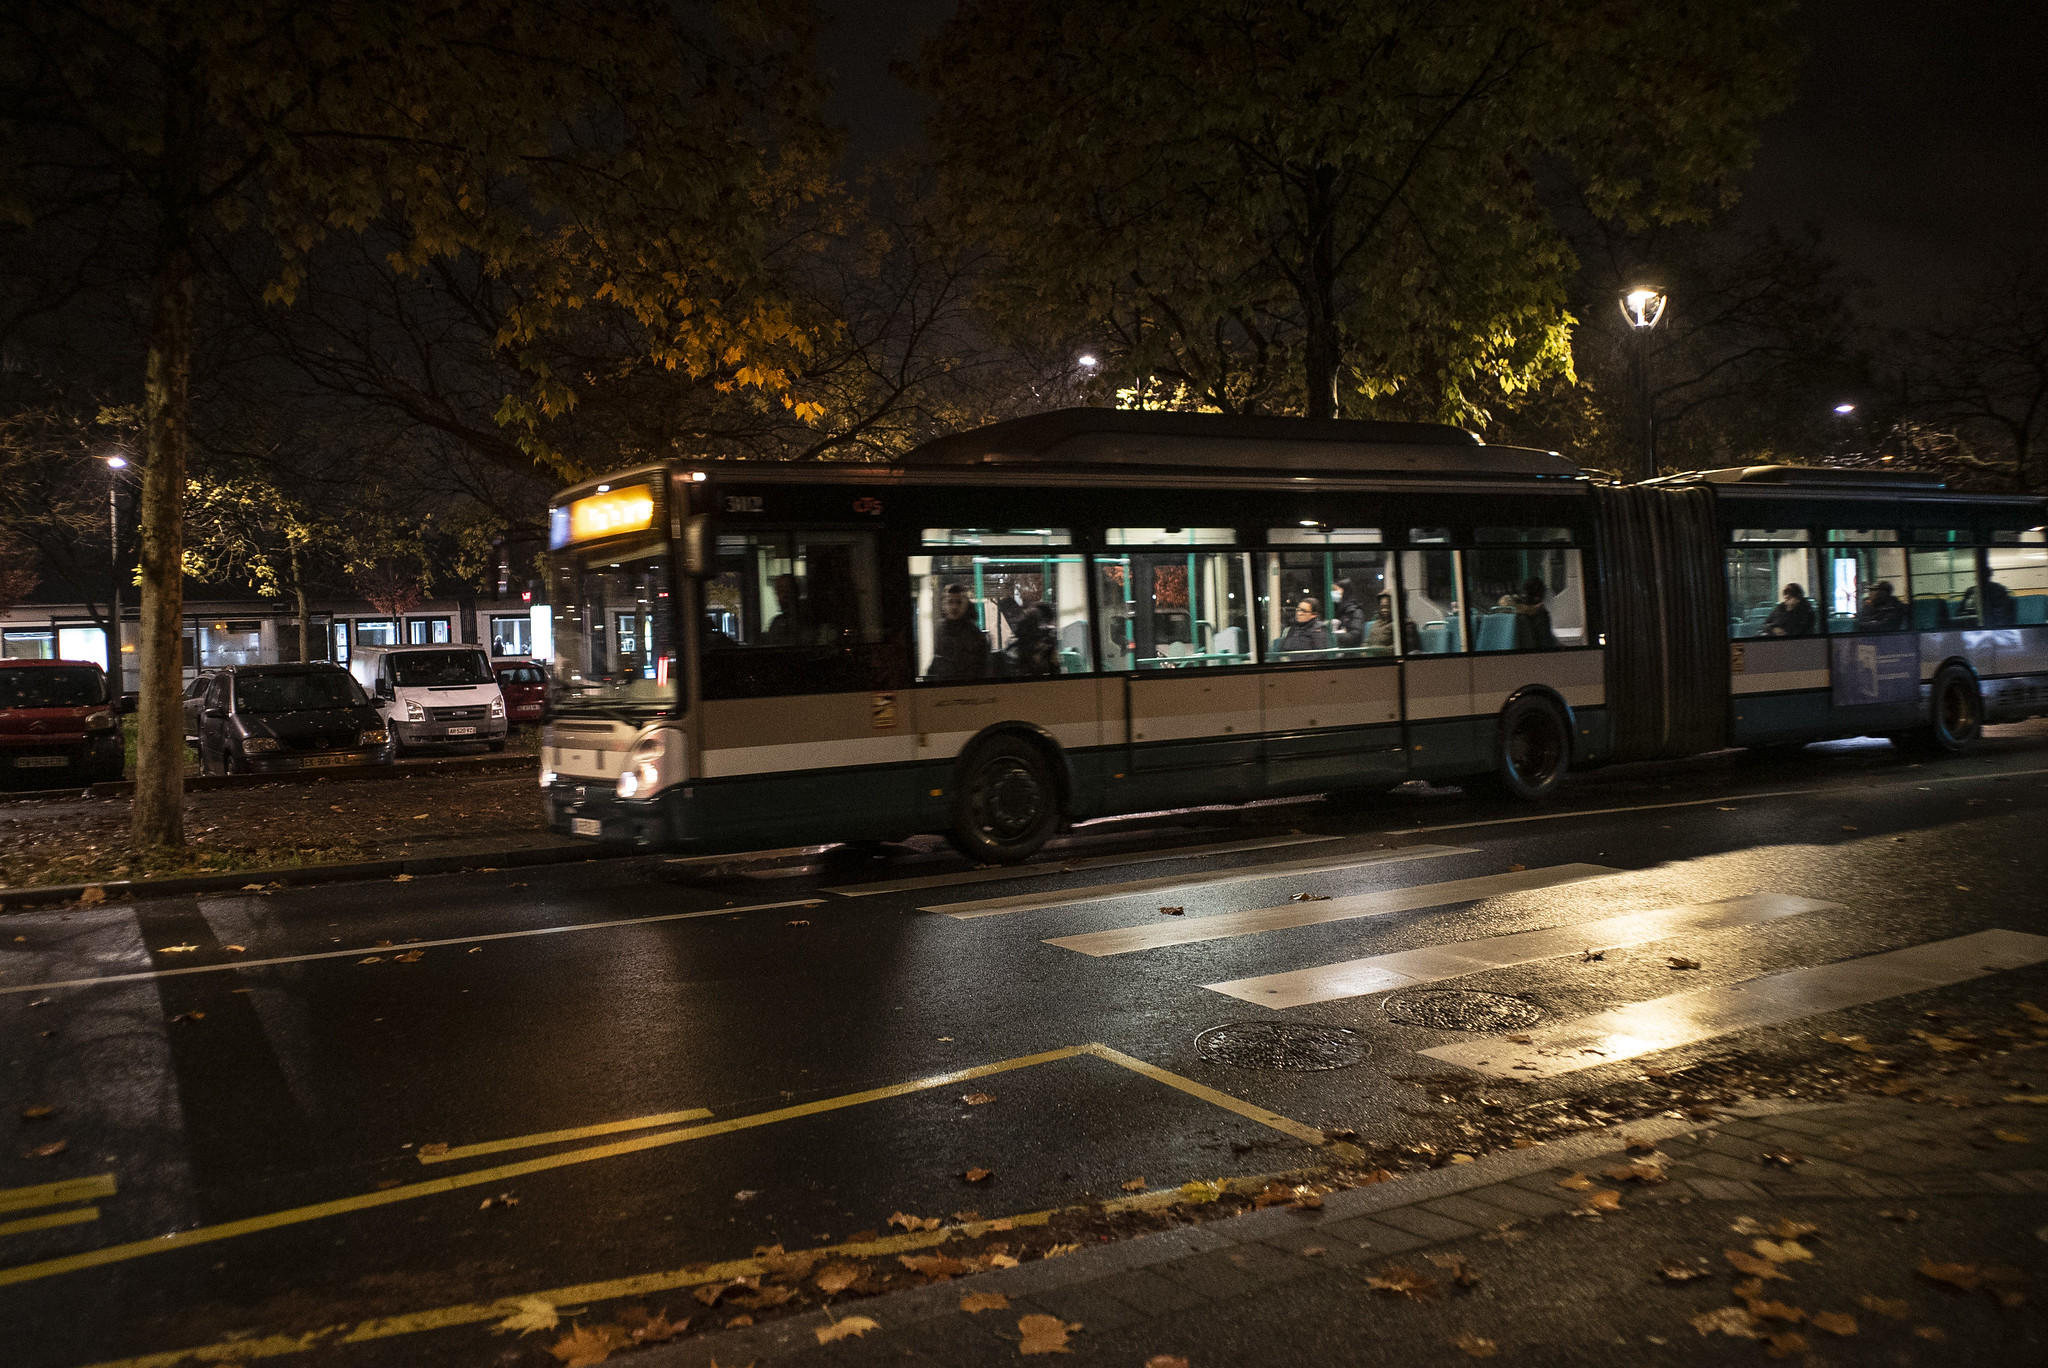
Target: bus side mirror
<point x="697" y="549"/>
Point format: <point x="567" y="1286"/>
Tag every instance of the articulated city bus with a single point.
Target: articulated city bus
<point x="1092" y="611"/>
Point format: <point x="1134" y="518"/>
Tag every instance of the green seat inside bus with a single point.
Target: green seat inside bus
<point x="1497" y="632"/>
<point x="1929" y="614"/>
<point x="2030" y="610"/>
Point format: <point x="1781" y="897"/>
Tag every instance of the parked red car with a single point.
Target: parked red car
<point x="525" y="686"/>
<point x="58" y="724"/>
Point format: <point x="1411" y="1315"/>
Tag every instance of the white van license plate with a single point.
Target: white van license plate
<point x="40" y="762"/>
<point x="462" y="731"/>
<point x="585" y="826"/>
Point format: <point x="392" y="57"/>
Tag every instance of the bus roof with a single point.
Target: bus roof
<point x="1097" y="437"/>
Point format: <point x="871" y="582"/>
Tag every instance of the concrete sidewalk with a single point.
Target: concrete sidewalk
<point x="1892" y="1189"/>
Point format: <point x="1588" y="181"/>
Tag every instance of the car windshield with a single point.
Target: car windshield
<point x="426" y="669"/>
<point x="52" y="686"/>
<point x="311" y="691"/>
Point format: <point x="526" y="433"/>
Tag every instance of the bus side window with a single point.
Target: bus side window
<point x="795" y="612"/>
<point x="1430" y="599"/>
<point x="1771" y="588"/>
<point x="1945" y="593"/>
<point x="1015" y="608"/>
<point x="1866" y="582"/>
<point x="1164" y="610"/>
<point x="1527" y="599"/>
<point x="2016" y="585"/>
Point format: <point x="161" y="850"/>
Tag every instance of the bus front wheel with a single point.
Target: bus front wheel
<point x="1532" y="748"/>
<point x="1955" y="715"/>
<point x="1005" y="804"/>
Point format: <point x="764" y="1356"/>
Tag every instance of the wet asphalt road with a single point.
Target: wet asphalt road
<point x="572" y="997"/>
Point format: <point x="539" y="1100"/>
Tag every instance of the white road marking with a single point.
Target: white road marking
<point x="1406" y="968"/>
<point x="389" y="950"/>
<point x="1592" y="812"/>
<point x="1187" y="931"/>
<point x="1684" y="1018"/>
<point x="1032" y="871"/>
<point x="1066" y="897"/>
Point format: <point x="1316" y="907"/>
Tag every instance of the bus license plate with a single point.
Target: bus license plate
<point x="462" y="731"/>
<point x="40" y="762"/>
<point x="314" y="761"/>
<point x="585" y="826"/>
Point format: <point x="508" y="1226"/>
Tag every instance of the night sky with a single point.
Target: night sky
<point x="1918" y="146"/>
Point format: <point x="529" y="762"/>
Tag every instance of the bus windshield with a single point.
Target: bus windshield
<point x="615" y="641"/>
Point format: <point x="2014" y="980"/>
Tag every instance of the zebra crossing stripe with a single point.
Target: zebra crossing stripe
<point x="1032" y="871"/>
<point x="1685" y="1018"/>
<point x="1406" y="968"/>
<point x="1067" y="897"/>
<point x="1190" y="930"/>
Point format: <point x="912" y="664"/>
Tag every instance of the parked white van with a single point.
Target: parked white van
<point x="433" y="696"/>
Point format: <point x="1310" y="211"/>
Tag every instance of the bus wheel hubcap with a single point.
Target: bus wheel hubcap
<point x="1011" y="799"/>
<point x="1533" y="749"/>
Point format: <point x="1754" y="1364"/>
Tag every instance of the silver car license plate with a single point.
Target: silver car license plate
<point x="462" y="731"/>
<point x="585" y="826"/>
<point x="315" y="761"/>
<point x="40" y="762"/>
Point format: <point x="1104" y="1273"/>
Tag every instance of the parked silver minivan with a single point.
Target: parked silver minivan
<point x="433" y="697"/>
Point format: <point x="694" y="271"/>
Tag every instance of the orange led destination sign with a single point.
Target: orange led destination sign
<point x="607" y="515"/>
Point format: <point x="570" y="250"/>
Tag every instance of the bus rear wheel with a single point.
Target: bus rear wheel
<point x="1532" y="749"/>
<point x="1955" y="715"/>
<point x="1005" y="803"/>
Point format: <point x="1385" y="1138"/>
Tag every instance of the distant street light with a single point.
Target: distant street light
<point x="115" y="667"/>
<point x="1643" y="307"/>
<point x="1845" y="409"/>
<point x="1087" y="361"/>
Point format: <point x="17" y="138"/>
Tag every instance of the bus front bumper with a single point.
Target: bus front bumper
<point x="593" y="811"/>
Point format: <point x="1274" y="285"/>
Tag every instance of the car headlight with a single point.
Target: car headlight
<point x="414" y="712"/>
<point x="100" y="722"/>
<point x="656" y="761"/>
<point x="498" y="706"/>
<point x="258" y="745"/>
<point x="547" y="778"/>
<point x="378" y="737"/>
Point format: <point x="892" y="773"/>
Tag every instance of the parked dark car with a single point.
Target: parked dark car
<point x="58" y="724"/>
<point x="525" y="686"/>
<point x="261" y="719"/>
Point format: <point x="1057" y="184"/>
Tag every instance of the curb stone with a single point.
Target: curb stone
<point x="348" y="774"/>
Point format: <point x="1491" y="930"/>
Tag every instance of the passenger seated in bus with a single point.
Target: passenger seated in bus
<point x="789" y="626"/>
<point x="1882" y="611"/>
<point x="1381" y="632"/>
<point x="1793" y="616"/>
<point x="961" y="651"/>
<point x="1036" y="648"/>
<point x="1306" y="632"/>
<point x="1999" y="609"/>
<point x="1349" y="623"/>
<point x="1532" y="618"/>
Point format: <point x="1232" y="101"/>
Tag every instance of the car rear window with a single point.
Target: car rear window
<point x="52" y="686"/>
<point x="523" y="674"/>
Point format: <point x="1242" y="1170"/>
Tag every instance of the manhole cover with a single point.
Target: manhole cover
<point x="1454" y="1009"/>
<point x="1280" y="1045"/>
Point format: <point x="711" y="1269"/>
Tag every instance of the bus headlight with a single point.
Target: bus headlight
<point x="656" y="761"/>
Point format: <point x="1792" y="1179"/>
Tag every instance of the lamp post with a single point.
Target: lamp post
<point x="1643" y="306"/>
<point x="115" y="667"/>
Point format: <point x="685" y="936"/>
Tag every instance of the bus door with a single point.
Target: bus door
<point x="1176" y="622"/>
<point x="1326" y="613"/>
<point x="1443" y="735"/>
<point x="1873" y="647"/>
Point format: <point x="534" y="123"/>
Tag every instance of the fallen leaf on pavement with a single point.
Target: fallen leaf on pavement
<point x="1772" y="1310"/>
<point x="1909" y="1214"/>
<point x="1784" y="1344"/>
<point x="194" y="1015"/>
<point x="2032" y="1013"/>
<point x="914" y="1223"/>
<point x="1044" y="1334"/>
<point x="1785" y="1158"/>
<point x="1641" y="1171"/>
<point x="977" y="1099"/>
<point x="438" y="1147"/>
<point x="1681" y="962"/>
<point x="837" y="1277"/>
<point x="1637" y="1145"/>
<point x="1727" y="1320"/>
<point x="236" y="949"/>
<point x="1055" y="1251"/>
<point x="1516" y="868"/>
<point x="49" y="1150"/>
<point x="1834" y="1322"/>
<point x="1753" y="1266"/>
<point x="1401" y="1281"/>
<point x="974" y="1303"/>
<point x="1578" y="1182"/>
<point x="800" y="921"/>
<point x="534" y="1313"/>
<point x="2035" y="1099"/>
<point x="788" y="1267"/>
<point x="853" y="1327"/>
<point x="1310" y="897"/>
<point x="1462" y="1273"/>
<point x="373" y="959"/>
<point x="1166" y="1361"/>
<point x="1787" y="1251"/>
<point x="1604" y="1199"/>
<point x="1001" y="1260"/>
<point x="1587" y="957"/>
<point x="252" y="888"/>
<point x="1854" y="1042"/>
<point x="1172" y="911"/>
<point x="41" y="1111"/>
<point x="737" y="1321"/>
<point x="1475" y="1346"/>
<point x="589" y="1344"/>
<point x="401" y="878"/>
<point x="1930" y="1333"/>
<point x="711" y="1294"/>
<point x="2012" y="1137"/>
<point x="1958" y="1275"/>
<point x="1674" y="1271"/>
<point x="765" y="1298"/>
<point x="976" y="1175"/>
<point x="410" y="957"/>
<point x="91" y="894"/>
<point x="934" y="1266"/>
<point x="175" y="949"/>
<point x="1133" y="1185"/>
<point x="1893" y="1307"/>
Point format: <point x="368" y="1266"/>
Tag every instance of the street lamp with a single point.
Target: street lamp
<point x="1643" y="306"/>
<point x="1845" y="409"/>
<point x="115" y="666"/>
<point x="1086" y="361"/>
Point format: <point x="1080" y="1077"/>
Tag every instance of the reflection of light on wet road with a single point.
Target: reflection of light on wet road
<point x="1684" y="1018"/>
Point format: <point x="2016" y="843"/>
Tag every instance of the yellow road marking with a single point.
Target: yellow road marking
<point x="365" y="1201"/>
<point x="579" y="1133"/>
<point x="75" y="1216"/>
<point x="55" y="1194"/>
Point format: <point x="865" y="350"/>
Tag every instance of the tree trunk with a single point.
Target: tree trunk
<point x="305" y="623"/>
<point x="1322" y="351"/>
<point x="158" y="815"/>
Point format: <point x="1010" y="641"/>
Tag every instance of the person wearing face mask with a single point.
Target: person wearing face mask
<point x="1348" y="619"/>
